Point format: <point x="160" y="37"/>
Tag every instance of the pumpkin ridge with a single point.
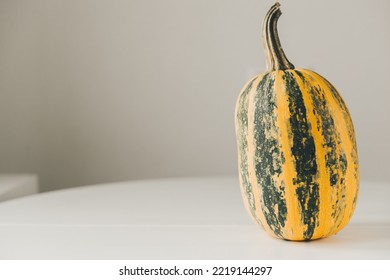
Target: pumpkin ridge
<point x="242" y="134"/>
<point x="256" y="187"/>
<point x="304" y="152"/>
<point x="268" y="156"/>
<point x="321" y="178"/>
<point x="294" y="227"/>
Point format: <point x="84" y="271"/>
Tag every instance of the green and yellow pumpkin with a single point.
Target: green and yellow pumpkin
<point x="298" y="161"/>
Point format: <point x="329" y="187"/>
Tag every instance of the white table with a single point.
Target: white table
<point x="174" y="219"/>
<point x="17" y="185"/>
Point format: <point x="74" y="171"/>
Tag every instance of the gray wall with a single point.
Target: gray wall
<point x="100" y="91"/>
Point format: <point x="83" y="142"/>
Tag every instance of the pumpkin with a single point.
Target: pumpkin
<point x="298" y="161"/>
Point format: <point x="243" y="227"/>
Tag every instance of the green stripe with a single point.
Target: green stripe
<point x="304" y="153"/>
<point x="351" y="131"/>
<point x="242" y="138"/>
<point x="268" y="156"/>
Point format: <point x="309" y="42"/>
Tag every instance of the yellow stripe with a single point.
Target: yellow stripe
<point x="341" y="118"/>
<point x="293" y="229"/>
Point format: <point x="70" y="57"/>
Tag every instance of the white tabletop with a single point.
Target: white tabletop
<point x="200" y="218"/>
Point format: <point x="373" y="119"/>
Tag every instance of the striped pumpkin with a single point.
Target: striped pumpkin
<point x="298" y="162"/>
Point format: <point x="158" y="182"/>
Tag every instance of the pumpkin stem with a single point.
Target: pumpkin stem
<point x="276" y="58"/>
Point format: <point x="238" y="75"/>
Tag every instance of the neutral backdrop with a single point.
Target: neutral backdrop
<point x="99" y="91"/>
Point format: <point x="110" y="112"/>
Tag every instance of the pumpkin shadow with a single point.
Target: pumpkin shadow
<point x="356" y="241"/>
<point x="359" y="241"/>
<point x="360" y="233"/>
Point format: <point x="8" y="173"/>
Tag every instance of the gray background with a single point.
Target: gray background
<point x="100" y="91"/>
